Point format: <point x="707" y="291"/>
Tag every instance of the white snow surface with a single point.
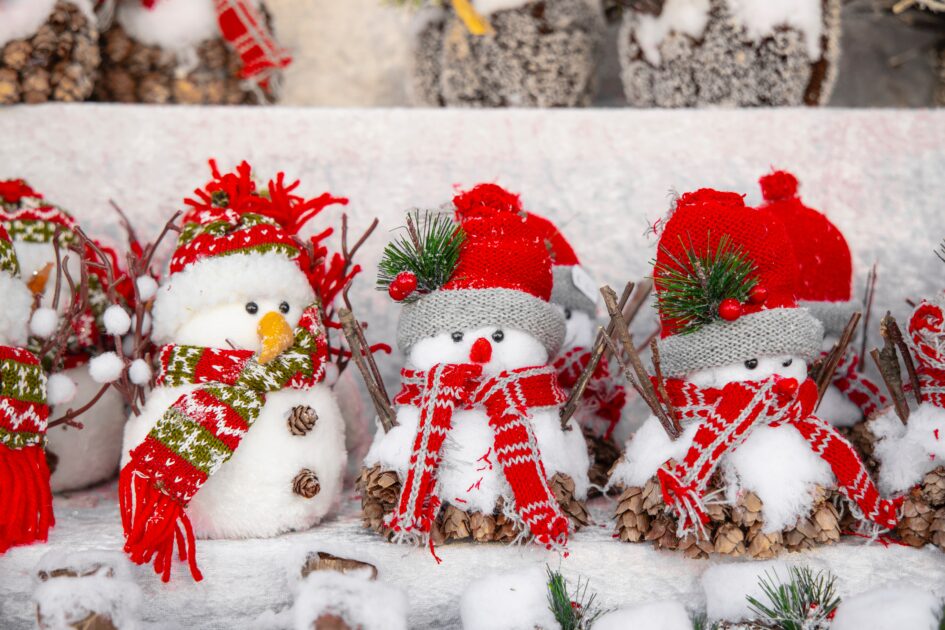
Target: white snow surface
<point x="22" y="18"/>
<point x="176" y="25"/>
<point x="106" y="367"/>
<point x="664" y="615"/>
<point x="727" y="586"/>
<point x="116" y="319"/>
<point x="907" y="452"/>
<point x="516" y="600"/>
<point x="762" y="17"/>
<point x="361" y="602"/>
<point x="688" y="17"/>
<point x="890" y="607"/>
<point x="487" y="7"/>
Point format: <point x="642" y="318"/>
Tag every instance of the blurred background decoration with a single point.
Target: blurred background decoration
<point x="476" y="53"/>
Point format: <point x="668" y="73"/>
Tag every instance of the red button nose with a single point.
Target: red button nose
<point x="481" y="351"/>
<point x="786" y="387"/>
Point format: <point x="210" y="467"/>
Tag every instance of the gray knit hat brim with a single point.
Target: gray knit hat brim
<point x="469" y="309"/>
<point x="566" y="294"/>
<point x="772" y="332"/>
<point x="833" y="315"/>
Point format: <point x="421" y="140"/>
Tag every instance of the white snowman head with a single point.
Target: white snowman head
<point x="17" y="299"/>
<point x="489" y="306"/>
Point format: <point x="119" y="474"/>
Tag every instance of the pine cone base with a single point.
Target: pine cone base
<point x="604" y="453"/>
<point x="306" y="484"/>
<point x="301" y="420"/>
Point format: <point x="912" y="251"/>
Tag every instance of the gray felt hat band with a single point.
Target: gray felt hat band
<point x="469" y="309"/>
<point x="566" y="294"/>
<point x="833" y="315"/>
<point x="773" y="332"/>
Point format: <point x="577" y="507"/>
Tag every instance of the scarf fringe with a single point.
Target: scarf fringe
<point x="153" y="523"/>
<point x="26" y="509"/>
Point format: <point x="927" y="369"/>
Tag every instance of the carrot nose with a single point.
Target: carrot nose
<point x="481" y="351"/>
<point x="786" y="387"/>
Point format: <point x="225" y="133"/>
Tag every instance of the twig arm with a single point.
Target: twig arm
<point x="828" y="368"/>
<point x="351" y="329"/>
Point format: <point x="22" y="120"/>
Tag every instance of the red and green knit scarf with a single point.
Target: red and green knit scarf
<point x="506" y="399"/>
<point x="727" y="417"/>
<point x="857" y="388"/>
<point x="200" y="432"/>
<point x="604" y="397"/>
<point x="927" y="337"/>
<point x="26" y="512"/>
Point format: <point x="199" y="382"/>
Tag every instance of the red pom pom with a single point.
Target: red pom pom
<point x="486" y="198"/>
<point x="758" y="295"/>
<point x="730" y="309"/>
<point x="778" y="185"/>
<point x="403" y="285"/>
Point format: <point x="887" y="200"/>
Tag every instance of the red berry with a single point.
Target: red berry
<point x="403" y="285"/>
<point x="786" y="387"/>
<point x="758" y="295"/>
<point x="730" y="309"/>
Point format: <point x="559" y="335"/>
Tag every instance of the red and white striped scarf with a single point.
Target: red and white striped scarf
<point x="604" y="397"/>
<point x="927" y="337"/>
<point x="506" y="399"/>
<point x="727" y="417"/>
<point x="857" y="388"/>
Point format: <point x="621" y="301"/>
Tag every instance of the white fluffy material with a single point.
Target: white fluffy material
<point x="106" y="367"/>
<point x="889" y="608"/>
<point x="727" y="586"/>
<point x="653" y="616"/>
<point x="647" y="450"/>
<point x="44" y="322"/>
<point x="907" y="452"/>
<point x="767" y="367"/>
<point x="90" y="455"/>
<point x="837" y="409"/>
<point x="516" y="350"/>
<point x="60" y="389"/>
<point x="15" y="314"/>
<point x="251" y="495"/>
<point x="580" y="330"/>
<point x="139" y="372"/>
<point x="487" y="7"/>
<point x="362" y="603"/>
<point x="147" y="287"/>
<point x="172" y="24"/>
<point x="64" y="601"/>
<point x="116" y="319"/>
<point x="222" y="281"/>
<point x="22" y="18"/>
<point x="762" y="17"/>
<point x="508" y="601"/>
<point x="688" y="17"/>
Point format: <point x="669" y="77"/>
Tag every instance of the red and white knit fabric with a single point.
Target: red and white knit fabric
<point x="727" y="417"/>
<point x="927" y="337"/>
<point x="506" y="399"/>
<point x="243" y="26"/>
<point x="604" y="397"/>
<point x="856" y="387"/>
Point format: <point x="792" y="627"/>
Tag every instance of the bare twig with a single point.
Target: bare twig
<point x="69" y="417"/>
<point x="661" y="386"/>
<point x="887" y="361"/>
<point x="824" y="375"/>
<point x="868" y="297"/>
<point x="414" y="236"/>
<point x="895" y="335"/>
<point x="361" y="356"/>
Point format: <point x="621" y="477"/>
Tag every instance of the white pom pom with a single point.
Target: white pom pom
<point x="139" y="372"/>
<point x="106" y="367"/>
<point x="146" y="324"/>
<point x="147" y="287"/>
<point x="44" y="322"/>
<point x="60" y="389"/>
<point x="117" y="321"/>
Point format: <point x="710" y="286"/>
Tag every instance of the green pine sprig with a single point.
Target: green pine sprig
<point x="940" y="252"/>
<point x="692" y="289"/>
<point x="429" y="249"/>
<point x="575" y="610"/>
<point x="806" y="602"/>
<point x="700" y="621"/>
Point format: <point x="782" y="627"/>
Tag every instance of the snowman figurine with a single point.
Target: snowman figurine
<point x="734" y="347"/>
<point x="825" y="288"/>
<point x="25" y="497"/>
<point x="478" y="441"/>
<point x="83" y="457"/>
<point x="240" y="438"/>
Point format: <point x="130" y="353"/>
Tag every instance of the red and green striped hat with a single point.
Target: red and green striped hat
<point x="28" y="217"/>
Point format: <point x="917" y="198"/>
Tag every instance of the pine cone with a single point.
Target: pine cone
<point x="379" y="490"/>
<point x="454" y="523"/>
<point x="302" y="419"/>
<point x="747" y="511"/>
<point x="92" y="621"/>
<point x="330" y="621"/>
<point x="916" y="523"/>
<point x="933" y="487"/>
<point x="653" y="502"/>
<point x="762" y="546"/>
<point x="633" y="522"/>
<point x="663" y="532"/>
<point x="695" y="547"/>
<point x="562" y="487"/>
<point x="306" y="484"/>
<point x="322" y="561"/>
<point x="821" y="526"/>
<point x="863" y="440"/>
<point x="16" y="54"/>
<point x="730" y="540"/>
<point x="603" y="453"/>
<point x="937" y="529"/>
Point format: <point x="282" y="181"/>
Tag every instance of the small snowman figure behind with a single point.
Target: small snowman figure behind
<point x="753" y="468"/>
<point x="240" y="437"/>
<point x="478" y="449"/>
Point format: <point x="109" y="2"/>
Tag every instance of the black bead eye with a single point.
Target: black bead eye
<point x="284" y="308"/>
<point x="788" y="362"/>
<point x="751" y="364"/>
<point x="498" y="336"/>
<point x="457" y="337"/>
<point x="567" y="313"/>
<point x="252" y="308"/>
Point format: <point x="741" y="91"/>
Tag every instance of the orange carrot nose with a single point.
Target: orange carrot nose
<point x="481" y="351"/>
<point x="786" y="387"/>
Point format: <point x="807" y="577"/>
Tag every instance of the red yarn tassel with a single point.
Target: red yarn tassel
<point x="26" y="510"/>
<point x="153" y="522"/>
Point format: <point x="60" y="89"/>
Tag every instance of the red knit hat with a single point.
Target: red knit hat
<point x="28" y="217"/>
<point x="824" y="263"/>
<point x="744" y="255"/>
<point x="236" y="243"/>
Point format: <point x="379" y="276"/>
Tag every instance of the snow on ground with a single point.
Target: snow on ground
<point x="889" y="607"/>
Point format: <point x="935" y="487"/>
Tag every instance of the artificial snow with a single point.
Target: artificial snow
<point x="139" y="372"/>
<point x="727" y="587"/>
<point x="362" y="603"/>
<point x="487" y="7"/>
<point x="176" y="25"/>
<point x="890" y="607"/>
<point x="15" y="314"/>
<point x="655" y="616"/>
<point x="116" y="319"/>
<point x="106" y="367"/>
<point x="688" y="17"/>
<point x="44" y="322"/>
<point x="22" y="18"/>
<point x="837" y="409"/>
<point x="648" y="449"/>
<point x="60" y="389"/>
<point x="762" y="17"/>
<point x="516" y="600"/>
<point x="147" y="287"/>
<point x="907" y="452"/>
